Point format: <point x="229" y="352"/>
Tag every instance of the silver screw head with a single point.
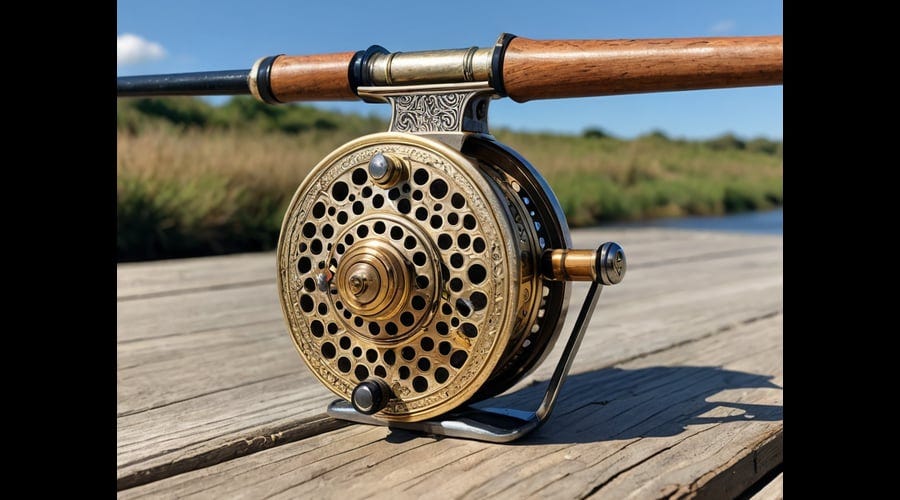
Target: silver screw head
<point x="379" y="166"/>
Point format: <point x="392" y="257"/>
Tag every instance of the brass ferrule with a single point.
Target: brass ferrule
<point x="569" y="265"/>
<point x="431" y="66"/>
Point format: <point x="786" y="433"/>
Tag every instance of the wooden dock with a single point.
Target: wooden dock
<point x="676" y="392"/>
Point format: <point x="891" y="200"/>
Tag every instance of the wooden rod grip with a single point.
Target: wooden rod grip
<point x="312" y="78"/>
<point x="550" y="69"/>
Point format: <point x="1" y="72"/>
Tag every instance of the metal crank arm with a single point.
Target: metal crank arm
<point x="502" y="425"/>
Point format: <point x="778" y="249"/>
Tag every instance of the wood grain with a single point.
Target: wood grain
<point x="703" y="418"/>
<point x="312" y="78"/>
<point x="207" y="374"/>
<point x="549" y="69"/>
<point x="141" y="280"/>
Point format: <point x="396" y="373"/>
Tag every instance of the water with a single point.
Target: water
<point x="769" y="222"/>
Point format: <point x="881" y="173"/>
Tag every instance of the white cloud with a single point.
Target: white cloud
<point x="723" y="27"/>
<point x="132" y="49"/>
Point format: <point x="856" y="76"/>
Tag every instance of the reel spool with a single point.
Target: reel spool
<point x="421" y="272"/>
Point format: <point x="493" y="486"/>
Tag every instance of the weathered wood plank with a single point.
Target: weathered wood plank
<point x="675" y="294"/>
<point x="772" y="491"/>
<point x="185" y="314"/>
<point x="704" y="418"/>
<point x="203" y="370"/>
<point x="148" y="279"/>
<point x="138" y="280"/>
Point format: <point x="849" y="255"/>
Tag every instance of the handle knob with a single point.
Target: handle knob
<point x="371" y="396"/>
<point x="606" y="265"/>
<point x="611" y="265"/>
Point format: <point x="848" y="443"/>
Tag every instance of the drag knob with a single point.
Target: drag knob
<point x="370" y="396"/>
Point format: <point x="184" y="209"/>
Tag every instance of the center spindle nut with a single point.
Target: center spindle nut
<point x="364" y="282"/>
<point x="373" y="279"/>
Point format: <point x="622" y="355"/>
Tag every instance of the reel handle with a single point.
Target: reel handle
<point x="551" y="69"/>
<point x="605" y="265"/>
<point x="502" y="425"/>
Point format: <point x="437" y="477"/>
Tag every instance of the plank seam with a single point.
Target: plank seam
<point x="701" y="257"/>
<point x="703" y="485"/>
<point x="761" y="484"/>
<point x="188" y="291"/>
<point x="239" y="448"/>
<point x="222" y="389"/>
<point x="201" y="330"/>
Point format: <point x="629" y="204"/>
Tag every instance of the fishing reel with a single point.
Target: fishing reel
<point x="428" y="267"/>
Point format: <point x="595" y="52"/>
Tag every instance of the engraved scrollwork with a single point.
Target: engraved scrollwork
<point x="429" y="112"/>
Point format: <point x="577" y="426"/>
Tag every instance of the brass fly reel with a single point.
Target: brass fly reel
<point x="422" y="271"/>
<point x="427" y="267"/>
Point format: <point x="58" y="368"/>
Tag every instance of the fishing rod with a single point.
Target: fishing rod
<point x="518" y="67"/>
<point x="428" y="267"/>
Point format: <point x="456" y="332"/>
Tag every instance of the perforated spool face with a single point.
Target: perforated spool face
<point x="421" y="284"/>
<point x="540" y="215"/>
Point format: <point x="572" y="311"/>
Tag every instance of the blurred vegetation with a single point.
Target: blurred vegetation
<point x="196" y="179"/>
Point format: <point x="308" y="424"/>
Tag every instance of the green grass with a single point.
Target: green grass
<point x="195" y="179"/>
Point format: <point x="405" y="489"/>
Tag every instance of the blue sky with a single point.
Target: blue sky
<point x="199" y="35"/>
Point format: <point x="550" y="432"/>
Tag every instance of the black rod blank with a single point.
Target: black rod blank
<point x="230" y="82"/>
